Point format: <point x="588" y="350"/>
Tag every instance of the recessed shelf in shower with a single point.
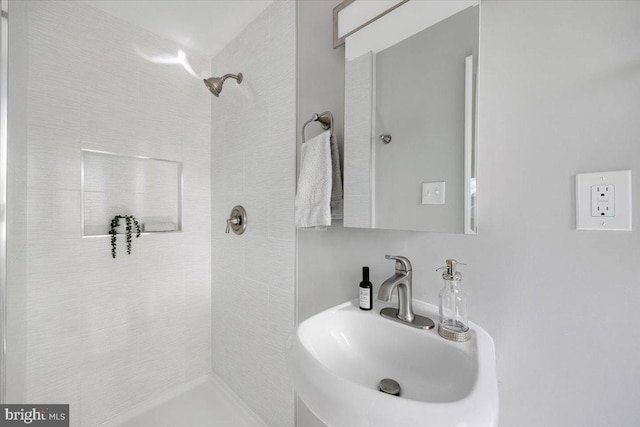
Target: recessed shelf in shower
<point x="117" y="184"/>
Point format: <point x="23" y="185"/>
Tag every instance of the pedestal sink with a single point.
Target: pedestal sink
<point x="338" y="357"/>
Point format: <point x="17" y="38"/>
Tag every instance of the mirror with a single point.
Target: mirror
<point x="410" y="119"/>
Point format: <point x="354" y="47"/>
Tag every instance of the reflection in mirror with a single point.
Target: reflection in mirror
<point x="410" y="119"/>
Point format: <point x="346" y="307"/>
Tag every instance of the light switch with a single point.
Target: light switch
<point x="603" y="201"/>
<point x="433" y="193"/>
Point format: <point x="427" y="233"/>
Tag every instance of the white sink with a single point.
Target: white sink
<point x="338" y="357"/>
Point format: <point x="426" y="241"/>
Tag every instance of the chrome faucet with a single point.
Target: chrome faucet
<point x="401" y="280"/>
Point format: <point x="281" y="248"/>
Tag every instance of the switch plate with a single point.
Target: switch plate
<point x="433" y="193"/>
<point x="603" y="201"/>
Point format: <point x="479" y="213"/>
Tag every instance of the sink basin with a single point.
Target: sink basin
<point x="338" y="357"/>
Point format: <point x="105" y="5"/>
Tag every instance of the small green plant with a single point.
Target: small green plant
<point x="131" y="222"/>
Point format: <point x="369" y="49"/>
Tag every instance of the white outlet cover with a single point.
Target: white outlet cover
<point x="621" y="198"/>
<point x="433" y="193"/>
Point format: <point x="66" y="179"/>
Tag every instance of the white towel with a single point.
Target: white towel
<point x="313" y="197"/>
<point x="337" y="202"/>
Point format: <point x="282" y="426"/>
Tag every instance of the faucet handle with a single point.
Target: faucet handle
<point x="403" y="265"/>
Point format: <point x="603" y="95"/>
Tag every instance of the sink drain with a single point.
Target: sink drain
<point x="389" y="386"/>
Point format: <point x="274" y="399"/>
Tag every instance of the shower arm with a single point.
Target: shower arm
<point x="233" y="76"/>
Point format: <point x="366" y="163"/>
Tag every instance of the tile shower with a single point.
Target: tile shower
<point x="104" y="335"/>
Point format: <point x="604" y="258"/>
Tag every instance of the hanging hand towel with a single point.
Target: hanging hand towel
<point x="313" y="197"/>
<point x="337" y="202"/>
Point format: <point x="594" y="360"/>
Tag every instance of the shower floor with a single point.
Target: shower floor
<point x="206" y="402"/>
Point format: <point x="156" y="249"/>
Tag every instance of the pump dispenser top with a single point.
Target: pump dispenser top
<point x="450" y="270"/>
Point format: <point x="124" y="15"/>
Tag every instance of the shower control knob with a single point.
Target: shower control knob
<point x="237" y="221"/>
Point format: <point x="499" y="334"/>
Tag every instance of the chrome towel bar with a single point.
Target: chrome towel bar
<point x="325" y="119"/>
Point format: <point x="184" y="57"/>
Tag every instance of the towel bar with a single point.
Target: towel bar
<point x="325" y="119"/>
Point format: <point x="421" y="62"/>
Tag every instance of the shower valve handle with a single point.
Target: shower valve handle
<point x="231" y="221"/>
<point x="237" y="221"/>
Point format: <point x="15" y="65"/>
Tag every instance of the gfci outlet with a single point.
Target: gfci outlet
<point x="603" y="201"/>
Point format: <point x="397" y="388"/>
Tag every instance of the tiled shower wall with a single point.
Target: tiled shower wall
<point x="104" y="334"/>
<point x="253" y="164"/>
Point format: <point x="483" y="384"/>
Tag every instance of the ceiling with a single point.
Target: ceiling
<point x="204" y="26"/>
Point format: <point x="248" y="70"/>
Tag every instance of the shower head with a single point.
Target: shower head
<point x="214" y="84"/>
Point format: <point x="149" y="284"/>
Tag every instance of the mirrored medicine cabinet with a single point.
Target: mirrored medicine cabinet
<point x="410" y="139"/>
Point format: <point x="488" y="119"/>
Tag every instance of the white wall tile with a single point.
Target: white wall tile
<point x="104" y="390"/>
<point x="97" y="327"/>
<point x="281" y="212"/>
<point x="227" y="252"/>
<point x="257" y="169"/>
<point x="281" y="317"/>
<point x="53" y="158"/>
<point x="258" y="204"/>
<point x="227" y="173"/>
<point x="55" y="216"/>
<point x="270" y="261"/>
<point x="253" y="164"/>
<point x="108" y="303"/>
<point x="63" y="390"/>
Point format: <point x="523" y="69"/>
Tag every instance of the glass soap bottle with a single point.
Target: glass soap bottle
<point x="453" y="305"/>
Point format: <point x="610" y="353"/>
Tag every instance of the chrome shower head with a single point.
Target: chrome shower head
<point x="214" y="84"/>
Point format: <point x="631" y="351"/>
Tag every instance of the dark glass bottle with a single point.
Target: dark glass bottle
<point x="366" y="289"/>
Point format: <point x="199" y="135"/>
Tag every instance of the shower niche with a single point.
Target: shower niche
<point x="116" y="184"/>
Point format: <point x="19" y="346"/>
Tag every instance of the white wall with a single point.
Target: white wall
<point x="104" y="334"/>
<point x="558" y="96"/>
<point x="253" y="164"/>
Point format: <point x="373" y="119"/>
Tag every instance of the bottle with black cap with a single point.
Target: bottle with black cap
<point x="366" y="289"/>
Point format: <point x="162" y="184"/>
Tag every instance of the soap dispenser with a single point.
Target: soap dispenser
<point x="453" y="305"/>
